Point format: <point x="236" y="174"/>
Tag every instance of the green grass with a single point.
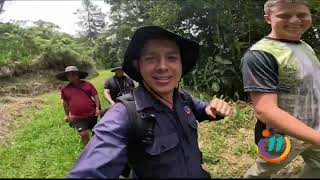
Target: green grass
<point x="44" y="146"/>
<point x="227" y="145"/>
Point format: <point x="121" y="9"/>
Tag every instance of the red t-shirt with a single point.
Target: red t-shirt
<point x="80" y="105"/>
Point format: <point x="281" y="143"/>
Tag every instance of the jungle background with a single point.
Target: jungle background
<point x="35" y="142"/>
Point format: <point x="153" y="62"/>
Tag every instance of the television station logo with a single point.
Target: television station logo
<point x="274" y="148"/>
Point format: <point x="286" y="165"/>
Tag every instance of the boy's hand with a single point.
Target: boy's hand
<point x="98" y="113"/>
<point x="218" y="107"/>
<point x="66" y="118"/>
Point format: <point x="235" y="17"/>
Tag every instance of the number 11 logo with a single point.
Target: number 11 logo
<point x="272" y="141"/>
<point x="274" y="148"/>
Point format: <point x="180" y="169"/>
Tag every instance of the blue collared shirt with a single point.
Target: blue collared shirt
<point x="174" y="153"/>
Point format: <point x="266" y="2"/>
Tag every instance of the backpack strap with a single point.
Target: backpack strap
<point x="128" y="101"/>
<point x="141" y="127"/>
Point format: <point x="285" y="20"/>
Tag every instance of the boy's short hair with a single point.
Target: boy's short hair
<point x="271" y="3"/>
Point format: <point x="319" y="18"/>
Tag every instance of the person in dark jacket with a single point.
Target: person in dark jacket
<point x="117" y="85"/>
<point x="157" y="59"/>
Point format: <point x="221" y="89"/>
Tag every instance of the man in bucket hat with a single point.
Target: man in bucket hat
<point x="80" y="101"/>
<point x="114" y="87"/>
<point x="117" y="85"/>
<point x="157" y="59"/>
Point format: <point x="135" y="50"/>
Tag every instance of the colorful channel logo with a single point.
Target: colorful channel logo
<point x="274" y="148"/>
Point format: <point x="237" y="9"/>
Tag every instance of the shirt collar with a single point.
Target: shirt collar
<point x="144" y="99"/>
<point x="284" y="40"/>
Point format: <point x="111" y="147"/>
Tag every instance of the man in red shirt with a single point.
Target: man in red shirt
<point x="80" y="101"/>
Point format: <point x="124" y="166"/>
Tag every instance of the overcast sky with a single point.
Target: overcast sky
<point x="59" y="12"/>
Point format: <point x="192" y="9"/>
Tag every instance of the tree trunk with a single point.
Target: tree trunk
<point x="1" y="5"/>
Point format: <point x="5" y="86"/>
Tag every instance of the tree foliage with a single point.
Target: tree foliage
<point x="1" y="5"/>
<point x="224" y="29"/>
<point x="41" y="44"/>
<point x="91" y="20"/>
<point x="16" y="44"/>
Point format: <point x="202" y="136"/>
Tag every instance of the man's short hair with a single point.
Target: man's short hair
<point x="271" y="3"/>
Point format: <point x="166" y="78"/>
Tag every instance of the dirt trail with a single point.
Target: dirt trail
<point x="18" y="93"/>
<point x="10" y="108"/>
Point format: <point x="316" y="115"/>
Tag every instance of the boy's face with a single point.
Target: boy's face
<point x="288" y="21"/>
<point x="160" y="65"/>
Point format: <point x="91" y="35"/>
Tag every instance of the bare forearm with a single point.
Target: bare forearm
<point x="96" y="98"/>
<point x="108" y="97"/>
<point x="284" y="122"/>
<point x="66" y="108"/>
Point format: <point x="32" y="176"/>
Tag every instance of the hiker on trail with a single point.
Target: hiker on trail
<point x="117" y="85"/>
<point x="114" y="87"/>
<point x="80" y="101"/>
<point x="281" y="73"/>
<point x="157" y="59"/>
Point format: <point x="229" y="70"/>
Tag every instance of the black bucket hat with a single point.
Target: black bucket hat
<point x="63" y="75"/>
<point x="189" y="49"/>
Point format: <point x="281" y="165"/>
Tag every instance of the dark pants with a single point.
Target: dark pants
<point x="82" y="124"/>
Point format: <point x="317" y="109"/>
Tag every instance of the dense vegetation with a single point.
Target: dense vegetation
<point x="225" y="29"/>
<point x="40" y="47"/>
